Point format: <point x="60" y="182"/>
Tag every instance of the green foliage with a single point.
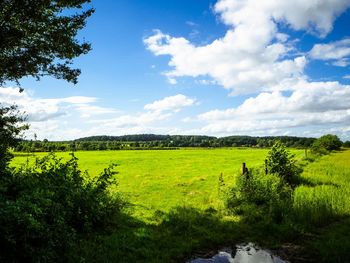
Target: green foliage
<point x="259" y="197"/>
<point x="159" y="142"/>
<point x="265" y="195"/>
<point x="281" y="162"/>
<point x="38" y="38"/>
<point x="46" y="207"/>
<point x="326" y="143"/>
<point x="10" y="129"/>
<point x="346" y="144"/>
<point x="161" y="180"/>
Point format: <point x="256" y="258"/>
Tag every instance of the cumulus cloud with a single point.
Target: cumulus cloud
<point x="159" y="110"/>
<point x="252" y="55"/>
<point x="238" y="66"/>
<point x="310" y="104"/>
<point x="73" y="117"/>
<point x="48" y="116"/>
<point x="152" y="119"/>
<point x="337" y="52"/>
<point x="171" y="103"/>
<point x="87" y="110"/>
<point x="315" y="16"/>
<point x="38" y="109"/>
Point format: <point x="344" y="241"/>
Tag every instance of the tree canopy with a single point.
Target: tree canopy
<point x="328" y="142"/>
<point x="39" y="38"/>
<point x="11" y="126"/>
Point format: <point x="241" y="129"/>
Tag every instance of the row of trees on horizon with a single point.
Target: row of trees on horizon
<point x="151" y="141"/>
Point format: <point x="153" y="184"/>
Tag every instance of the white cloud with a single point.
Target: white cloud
<point x="74" y="117"/>
<point x="236" y="65"/>
<point x="315" y="16"/>
<point x="133" y="120"/>
<point x="337" y="52"/>
<point x="48" y="117"/>
<point x="152" y="120"/>
<point x="252" y="55"/>
<point x="310" y="104"/>
<point x="88" y="110"/>
<point x="171" y="103"/>
<point x="38" y="110"/>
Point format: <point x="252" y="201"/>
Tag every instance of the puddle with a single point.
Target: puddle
<point x="249" y="253"/>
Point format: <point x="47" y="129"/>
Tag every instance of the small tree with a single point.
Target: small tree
<point x="280" y="161"/>
<point x="326" y="143"/>
<point x="11" y="127"/>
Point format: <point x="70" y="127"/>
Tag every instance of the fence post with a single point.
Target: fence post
<point x="266" y="171"/>
<point x="245" y="170"/>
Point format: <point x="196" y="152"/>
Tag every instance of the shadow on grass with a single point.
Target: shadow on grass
<point x="300" y="180"/>
<point x="309" y="231"/>
<point x="177" y="236"/>
<point x="23" y="154"/>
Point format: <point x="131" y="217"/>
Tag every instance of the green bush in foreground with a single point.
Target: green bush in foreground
<point x="281" y="162"/>
<point x="45" y="208"/>
<point x="260" y="197"/>
<point x="266" y="195"/>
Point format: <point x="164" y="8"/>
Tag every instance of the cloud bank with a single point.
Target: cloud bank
<point x="256" y="57"/>
<point x="79" y="116"/>
<point x="253" y="55"/>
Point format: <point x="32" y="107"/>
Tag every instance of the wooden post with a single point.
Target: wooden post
<point x="243" y="168"/>
<point x="266" y="171"/>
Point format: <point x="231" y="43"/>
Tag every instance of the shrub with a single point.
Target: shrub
<point x="11" y="127"/>
<point x="46" y="208"/>
<point x="266" y="196"/>
<point x="326" y="143"/>
<point x="281" y="162"/>
<point x="259" y="197"/>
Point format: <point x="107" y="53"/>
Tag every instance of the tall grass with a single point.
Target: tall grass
<point x="325" y="198"/>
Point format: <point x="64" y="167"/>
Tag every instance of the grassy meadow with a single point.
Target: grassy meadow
<point x="159" y="180"/>
<point x="175" y="211"/>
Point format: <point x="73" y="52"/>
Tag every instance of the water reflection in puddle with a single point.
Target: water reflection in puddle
<point x="249" y="253"/>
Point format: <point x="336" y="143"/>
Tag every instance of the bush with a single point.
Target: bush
<point x="260" y="197"/>
<point x="326" y="143"/>
<point x="11" y="128"/>
<point x="281" y="162"/>
<point x="346" y="144"/>
<point x="46" y="208"/>
<point x="266" y="195"/>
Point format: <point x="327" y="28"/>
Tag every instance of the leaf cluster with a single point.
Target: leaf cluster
<point x="47" y="207"/>
<point x="11" y="127"/>
<point x="281" y="162"/>
<point x="38" y="38"/>
<point x="260" y="197"/>
<point x="326" y="144"/>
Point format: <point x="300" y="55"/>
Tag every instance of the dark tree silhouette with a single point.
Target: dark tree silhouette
<point x="39" y="38"/>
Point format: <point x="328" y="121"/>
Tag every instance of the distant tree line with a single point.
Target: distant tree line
<point x="152" y="141"/>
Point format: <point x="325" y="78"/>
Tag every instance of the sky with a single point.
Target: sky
<point x="208" y="67"/>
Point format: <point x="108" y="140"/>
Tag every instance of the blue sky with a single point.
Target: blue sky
<point x="217" y="68"/>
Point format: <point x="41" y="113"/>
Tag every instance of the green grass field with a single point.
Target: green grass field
<point x="171" y="192"/>
<point x="159" y="180"/>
